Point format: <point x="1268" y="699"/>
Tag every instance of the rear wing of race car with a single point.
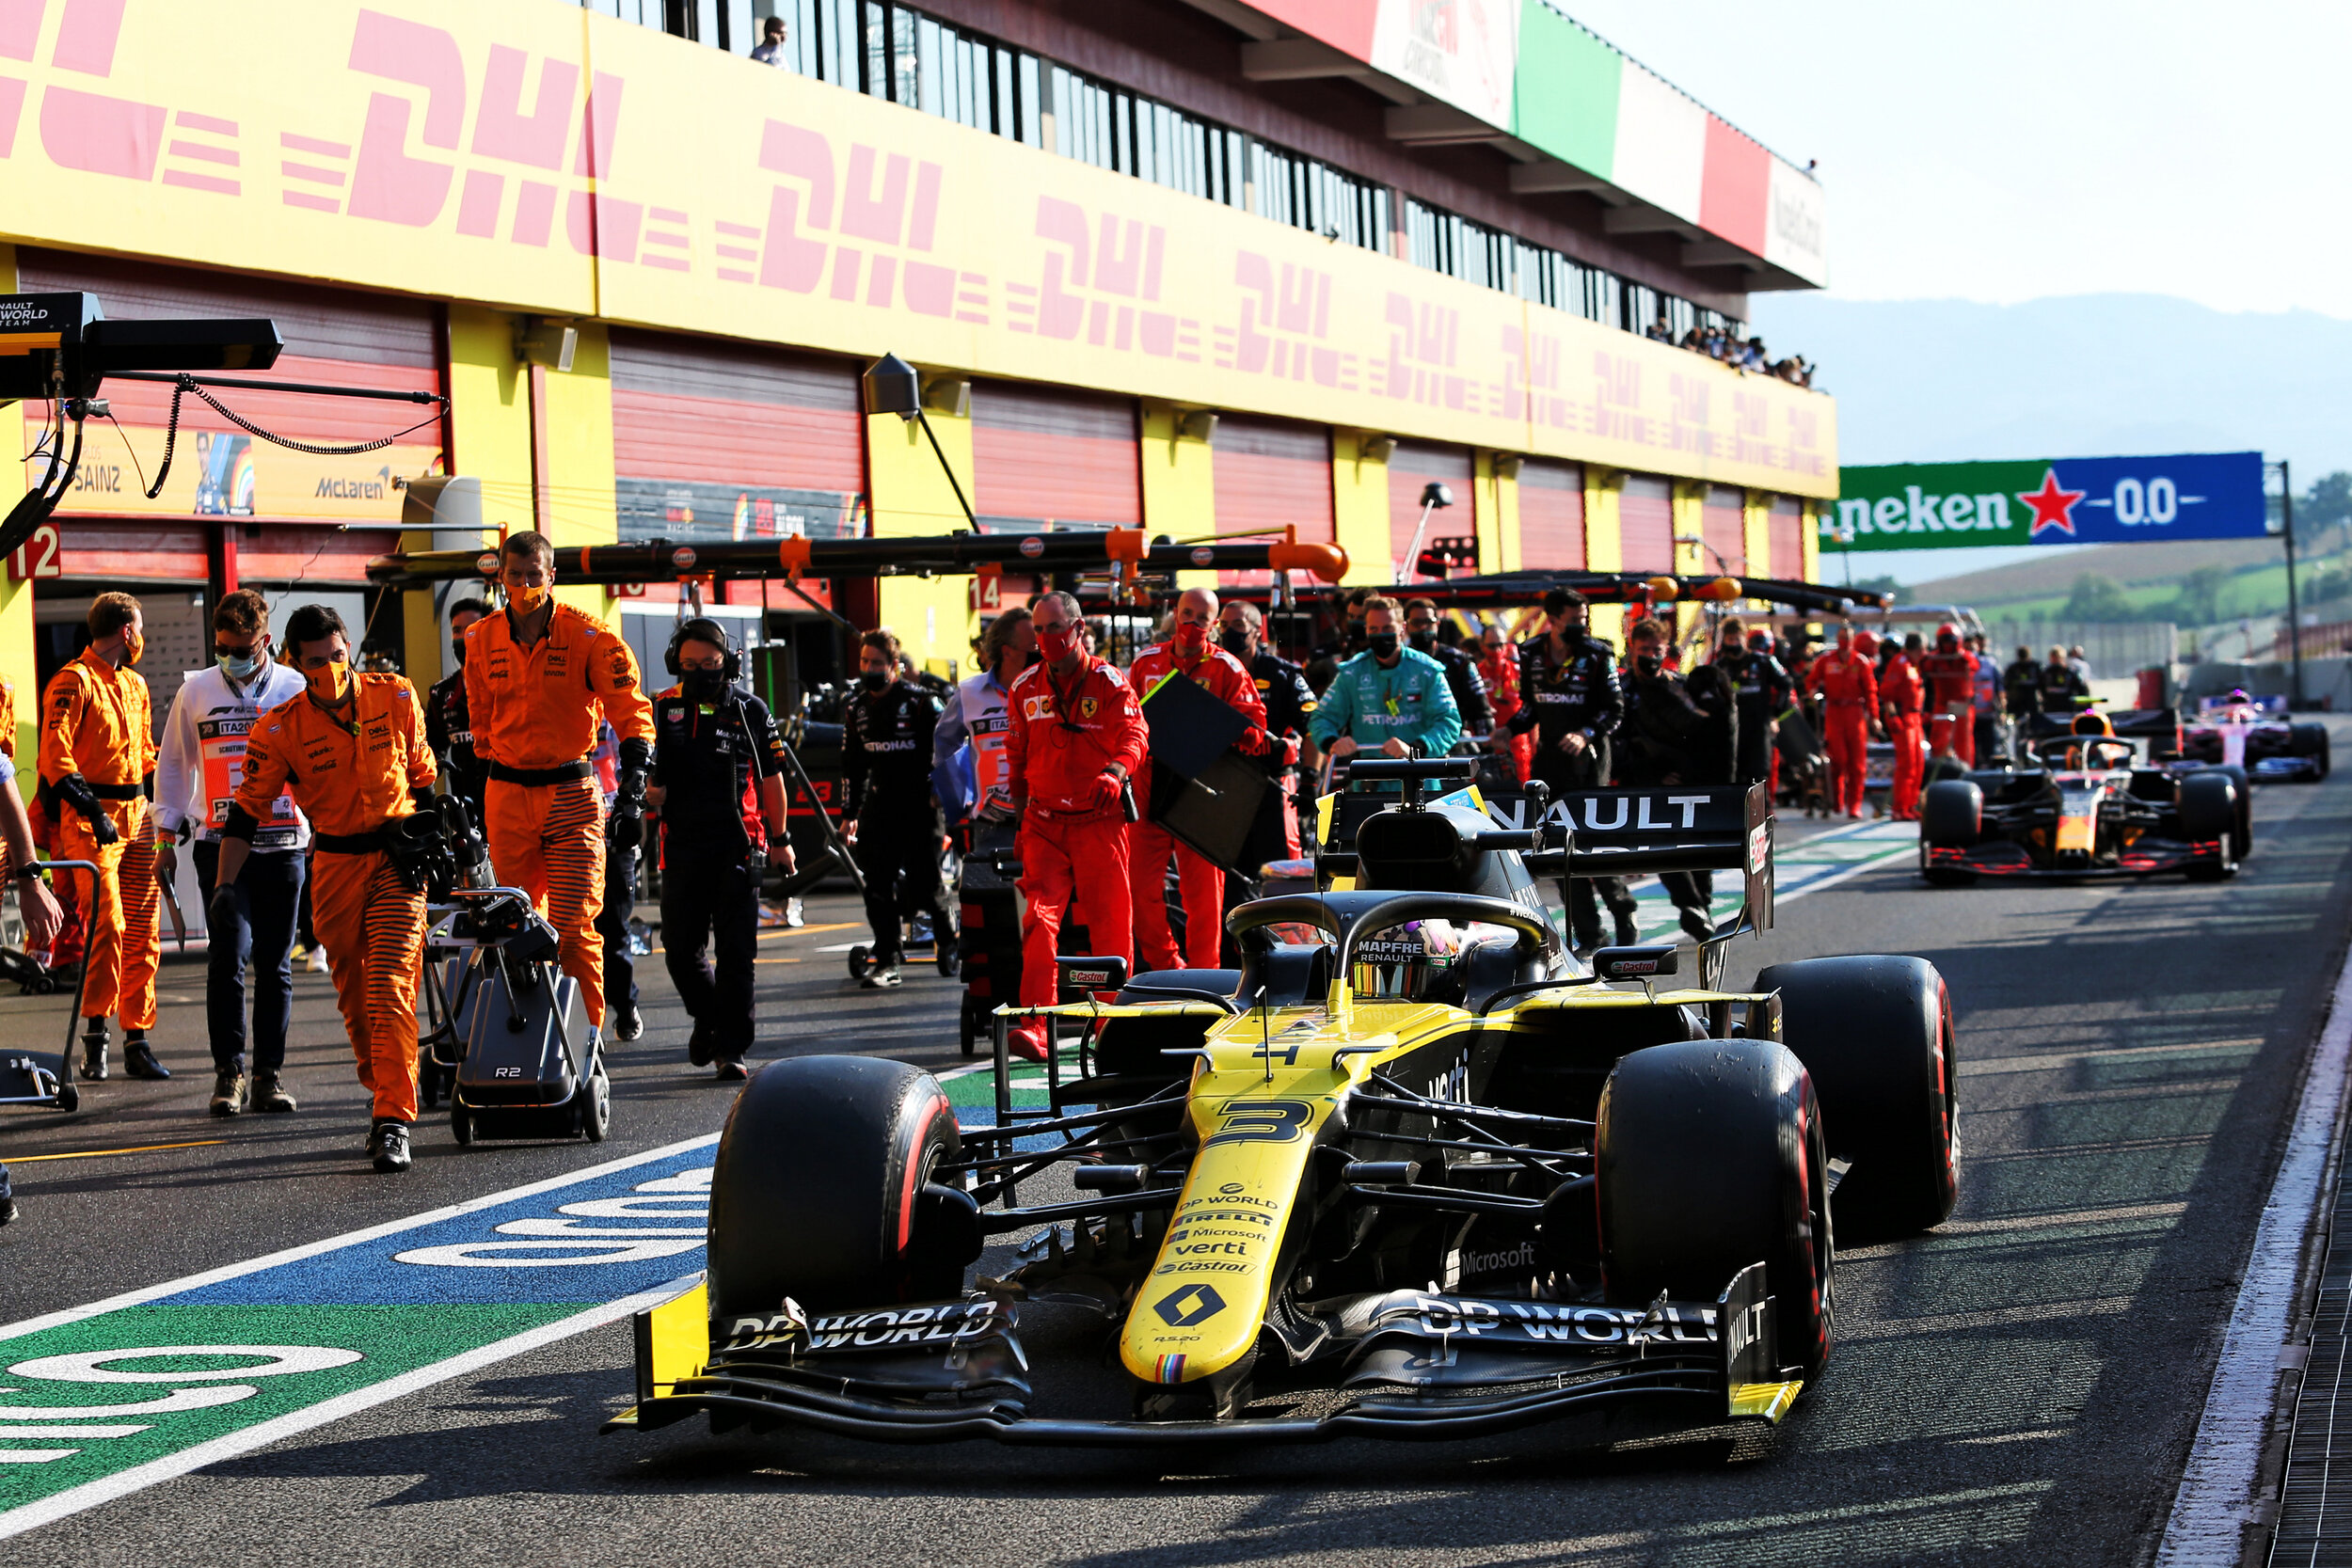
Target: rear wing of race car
<point x="2160" y="727"/>
<point x="1637" y="832"/>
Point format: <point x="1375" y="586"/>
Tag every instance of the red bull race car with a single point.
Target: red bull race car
<point x="2255" y="733"/>
<point x="2106" y="796"/>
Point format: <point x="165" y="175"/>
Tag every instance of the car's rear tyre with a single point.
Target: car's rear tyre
<point x="1709" y="1158"/>
<point x="824" y="1190"/>
<point x="2242" y="843"/>
<point x="2208" y="805"/>
<point x="2311" y="740"/>
<point x="1876" y="1035"/>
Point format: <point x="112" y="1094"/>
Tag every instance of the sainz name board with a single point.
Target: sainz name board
<point x="2063" y="501"/>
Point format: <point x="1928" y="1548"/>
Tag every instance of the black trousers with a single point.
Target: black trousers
<point x="1583" y="896"/>
<point x="899" y="860"/>
<point x="268" y="894"/>
<point x="620" y="902"/>
<point x="709" y="936"/>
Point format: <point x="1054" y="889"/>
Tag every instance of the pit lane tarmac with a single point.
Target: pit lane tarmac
<point x="2022" y="1387"/>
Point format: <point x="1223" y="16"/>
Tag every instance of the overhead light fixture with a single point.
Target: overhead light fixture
<point x="1376" y="447"/>
<point x="948" y="394"/>
<point x="1197" y="424"/>
<point x="547" y="340"/>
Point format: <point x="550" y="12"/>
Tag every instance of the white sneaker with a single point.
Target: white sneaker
<point x="316" y="963"/>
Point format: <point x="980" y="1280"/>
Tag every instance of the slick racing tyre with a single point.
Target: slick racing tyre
<point x="2244" y="844"/>
<point x="2310" y="741"/>
<point x="1876" y="1034"/>
<point x="824" y="1190"/>
<point x="1951" y="814"/>
<point x="1708" y="1159"/>
<point x="2209" y="810"/>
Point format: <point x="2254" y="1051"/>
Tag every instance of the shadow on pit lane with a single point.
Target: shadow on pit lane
<point x="537" y="1434"/>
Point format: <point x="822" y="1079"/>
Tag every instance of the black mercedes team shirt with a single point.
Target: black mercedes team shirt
<point x="1579" y="693"/>
<point x="886" y="750"/>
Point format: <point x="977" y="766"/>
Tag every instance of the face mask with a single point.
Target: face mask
<point x="329" y="684"/>
<point x="873" y="680"/>
<point x="1572" y="633"/>
<point x="239" y="669"/>
<point x="1233" y="641"/>
<point x="1057" y="642"/>
<point x="1649" y="664"/>
<point x="703" y="685"/>
<point x="525" y="601"/>
<point x="1383" y="644"/>
<point x="1192" y="637"/>
<point x="457" y="647"/>
<point x="1424" y="640"/>
<point x="133" y="646"/>
<point x="1355" y="631"/>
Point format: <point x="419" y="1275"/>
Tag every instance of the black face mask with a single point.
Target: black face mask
<point x="1573" y="633"/>
<point x="1649" y="664"/>
<point x="703" y="685"/>
<point x="1355" y="631"/>
<point x="873" y="680"/>
<point x="1383" y="644"/>
<point x="1424" y="640"/>
<point x="1234" y="641"/>
<point x="458" y="648"/>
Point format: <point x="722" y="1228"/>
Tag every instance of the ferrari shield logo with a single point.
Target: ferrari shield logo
<point x="1087" y="707"/>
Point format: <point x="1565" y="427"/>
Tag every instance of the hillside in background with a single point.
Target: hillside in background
<point x="2093" y="376"/>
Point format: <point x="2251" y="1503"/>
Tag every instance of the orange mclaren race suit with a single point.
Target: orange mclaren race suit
<point x="1068" y="752"/>
<point x="1843" y="675"/>
<point x="351" y="775"/>
<point x="1198" y="881"/>
<point x="1951" y="677"/>
<point x="1901" y="694"/>
<point x="96" y="748"/>
<point x="535" y="710"/>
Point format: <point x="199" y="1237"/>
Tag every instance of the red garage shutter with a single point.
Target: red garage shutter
<point x="721" y="441"/>
<point x="1551" y="515"/>
<point x="1273" y="473"/>
<point x="1723" y="525"/>
<point x="1054" y="457"/>
<point x="1412" y="467"/>
<point x="1787" y="539"/>
<point x="1646" y="523"/>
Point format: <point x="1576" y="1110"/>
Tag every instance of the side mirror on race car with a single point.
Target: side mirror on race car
<point x="1083" y="975"/>
<point x="1635" y="963"/>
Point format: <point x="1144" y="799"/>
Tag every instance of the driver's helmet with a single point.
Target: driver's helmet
<point x="1948" y="638"/>
<point x="2237" y="697"/>
<point x="2092" y="723"/>
<point x="1864" y="644"/>
<point x="1405" y="963"/>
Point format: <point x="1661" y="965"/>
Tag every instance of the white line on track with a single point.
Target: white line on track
<point x="228" y="1446"/>
<point x="312" y="1249"/>
<point x="2216" y="1501"/>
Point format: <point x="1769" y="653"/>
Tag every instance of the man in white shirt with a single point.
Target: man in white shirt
<point x="196" y="782"/>
<point x="771" y="50"/>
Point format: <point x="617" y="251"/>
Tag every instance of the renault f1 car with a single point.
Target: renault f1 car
<point x="2105" y="796"/>
<point x="1410" y="1172"/>
<point x="2255" y="733"/>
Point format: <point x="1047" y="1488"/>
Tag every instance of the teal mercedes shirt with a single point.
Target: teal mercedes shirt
<point x="1410" y="702"/>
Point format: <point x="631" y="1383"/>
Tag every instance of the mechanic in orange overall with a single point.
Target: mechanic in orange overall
<point x="1843" y="675"/>
<point x="1077" y="738"/>
<point x="351" y="751"/>
<point x="1199" y="881"/>
<point x="1499" y="664"/>
<point x="539" y="675"/>
<point x="1950" y="672"/>
<point x="1901" y="694"/>
<point x="97" y="755"/>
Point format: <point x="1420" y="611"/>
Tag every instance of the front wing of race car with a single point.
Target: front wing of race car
<point x="2022" y="859"/>
<point x="1406" y="1364"/>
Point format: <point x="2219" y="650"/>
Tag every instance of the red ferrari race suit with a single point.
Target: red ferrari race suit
<point x="1499" y="666"/>
<point x="1068" y="750"/>
<point x="1900" y="691"/>
<point x="1951" y="677"/>
<point x="1149" y="845"/>
<point x="1844" y="676"/>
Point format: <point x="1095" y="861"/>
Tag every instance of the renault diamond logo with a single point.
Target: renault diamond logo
<point x="1194" y="1304"/>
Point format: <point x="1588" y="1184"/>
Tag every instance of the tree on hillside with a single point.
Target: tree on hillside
<point x="2097" y="598"/>
<point x="2199" y="602"/>
<point x="2327" y="501"/>
<point x="1888" y="586"/>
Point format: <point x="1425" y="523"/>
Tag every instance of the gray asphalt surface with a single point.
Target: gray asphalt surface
<point x="2019" y="1387"/>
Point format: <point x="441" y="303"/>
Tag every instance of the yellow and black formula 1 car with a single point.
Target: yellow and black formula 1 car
<point x="1410" y="1172"/>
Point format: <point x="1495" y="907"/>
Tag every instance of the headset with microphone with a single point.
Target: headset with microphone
<point x="702" y="629"/>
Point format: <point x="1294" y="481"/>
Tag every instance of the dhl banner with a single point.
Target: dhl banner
<point x="536" y="155"/>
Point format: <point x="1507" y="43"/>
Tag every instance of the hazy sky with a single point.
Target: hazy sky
<point x="2001" y="151"/>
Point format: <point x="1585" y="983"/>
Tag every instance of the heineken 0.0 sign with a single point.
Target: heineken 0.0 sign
<point x="2063" y="501"/>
